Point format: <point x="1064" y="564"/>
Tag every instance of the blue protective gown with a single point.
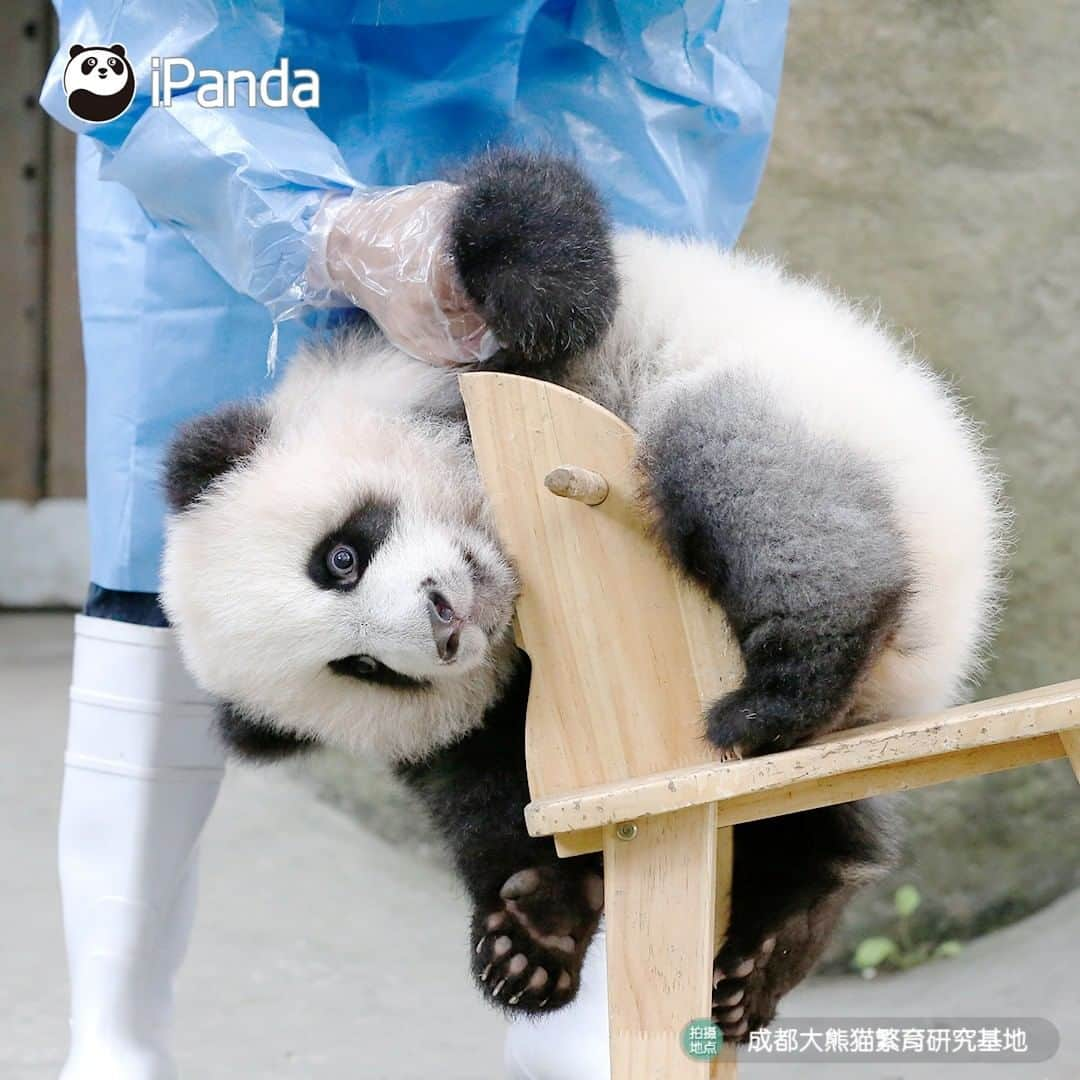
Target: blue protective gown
<point x="201" y="237"/>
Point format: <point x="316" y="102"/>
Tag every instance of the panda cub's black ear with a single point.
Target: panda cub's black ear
<point x="75" y="50"/>
<point x="531" y="242"/>
<point x="209" y="446"/>
<point x="118" y="49"/>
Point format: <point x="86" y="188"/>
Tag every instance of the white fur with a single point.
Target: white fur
<point x="688" y="310"/>
<point x="257" y="632"/>
<point x="255" y="629"/>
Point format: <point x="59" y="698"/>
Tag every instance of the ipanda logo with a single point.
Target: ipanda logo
<point x="99" y="82"/>
<point x="275" y="88"/>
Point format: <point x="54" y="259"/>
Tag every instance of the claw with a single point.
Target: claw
<point x="480" y="944"/>
<point x="498" y="989"/>
<point x="487" y="972"/>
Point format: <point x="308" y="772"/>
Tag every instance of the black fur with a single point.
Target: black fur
<point x="206" y="448"/>
<point x="476" y="792"/>
<point x="792" y="878"/>
<point x="257" y="741"/>
<point x="793" y="539"/>
<point x="532" y="245"/>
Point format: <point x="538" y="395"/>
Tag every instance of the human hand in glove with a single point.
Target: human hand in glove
<point x="387" y="251"/>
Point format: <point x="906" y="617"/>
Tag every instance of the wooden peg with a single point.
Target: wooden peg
<point x="574" y="482"/>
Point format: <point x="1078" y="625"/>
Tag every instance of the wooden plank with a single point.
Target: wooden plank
<point x="882" y="780"/>
<point x="65" y="421"/>
<point x="1070" y="740"/>
<point x="23" y="58"/>
<point x="1004" y="720"/>
<point x="724" y="1067"/>
<point x="886" y="779"/>
<point x="622" y="650"/>
<point x="660" y="910"/>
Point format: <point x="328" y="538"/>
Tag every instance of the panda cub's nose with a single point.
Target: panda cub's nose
<point x="445" y="626"/>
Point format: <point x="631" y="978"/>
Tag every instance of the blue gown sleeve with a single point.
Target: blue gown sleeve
<point x="669" y="105"/>
<point x="242" y="184"/>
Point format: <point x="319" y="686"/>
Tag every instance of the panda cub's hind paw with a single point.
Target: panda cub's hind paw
<point x="743" y="998"/>
<point x="528" y="949"/>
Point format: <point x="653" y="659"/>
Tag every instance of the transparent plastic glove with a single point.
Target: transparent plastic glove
<point x="386" y="251"/>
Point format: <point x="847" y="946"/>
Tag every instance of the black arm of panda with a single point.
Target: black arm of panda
<point x="532" y="244"/>
<point x="533" y="913"/>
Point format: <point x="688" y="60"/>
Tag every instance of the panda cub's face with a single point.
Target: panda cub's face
<point x="330" y="570"/>
<point x="417" y="598"/>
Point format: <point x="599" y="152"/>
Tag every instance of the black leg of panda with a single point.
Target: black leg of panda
<point x="534" y="914"/>
<point x="793" y="877"/>
<point x="795" y="540"/>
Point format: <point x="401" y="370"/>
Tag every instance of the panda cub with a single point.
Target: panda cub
<point x="333" y="575"/>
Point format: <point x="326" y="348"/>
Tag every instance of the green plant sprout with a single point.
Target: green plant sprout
<point x="901" y="951"/>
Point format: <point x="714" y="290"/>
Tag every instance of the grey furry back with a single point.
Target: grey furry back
<point x="532" y="245"/>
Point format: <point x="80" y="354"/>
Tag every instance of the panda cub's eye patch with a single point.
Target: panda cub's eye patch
<point x="88" y="65"/>
<point x="339" y="559"/>
<point x="114" y="63"/>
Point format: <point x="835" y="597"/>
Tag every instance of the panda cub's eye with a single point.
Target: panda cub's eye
<point x="341" y="561"/>
<point x="114" y="63"/>
<point x="88" y="65"/>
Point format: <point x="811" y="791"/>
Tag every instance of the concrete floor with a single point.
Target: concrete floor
<point x="321" y="952"/>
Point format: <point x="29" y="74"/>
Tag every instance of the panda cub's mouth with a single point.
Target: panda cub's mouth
<point x="368" y="669"/>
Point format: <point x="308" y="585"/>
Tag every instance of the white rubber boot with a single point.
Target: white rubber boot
<point x="142" y="771"/>
<point x="570" y="1043"/>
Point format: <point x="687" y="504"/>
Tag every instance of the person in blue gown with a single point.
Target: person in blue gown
<point x="201" y="251"/>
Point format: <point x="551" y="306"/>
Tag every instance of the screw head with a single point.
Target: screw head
<point x="626" y="831"/>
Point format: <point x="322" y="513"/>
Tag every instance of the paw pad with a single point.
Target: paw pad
<point x="529" y="950"/>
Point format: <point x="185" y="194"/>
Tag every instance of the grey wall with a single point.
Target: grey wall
<point x="928" y="154"/>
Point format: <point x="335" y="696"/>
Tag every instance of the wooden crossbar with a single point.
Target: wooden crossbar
<point x="987" y="736"/>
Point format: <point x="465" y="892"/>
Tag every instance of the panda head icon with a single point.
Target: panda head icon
<point x="99" y="82"/>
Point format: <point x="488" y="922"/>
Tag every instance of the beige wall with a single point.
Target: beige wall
<point x="41" y="407"/>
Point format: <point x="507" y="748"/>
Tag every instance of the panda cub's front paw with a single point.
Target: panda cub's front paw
<point x="747" y="722"/>
<point x="529" y="946"/>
